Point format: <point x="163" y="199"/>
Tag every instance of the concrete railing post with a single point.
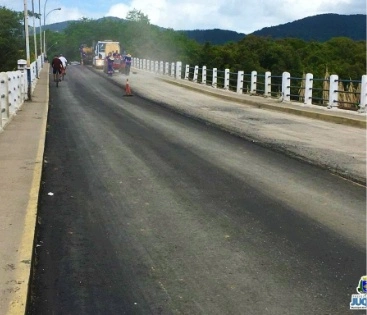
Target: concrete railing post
<point x="4" y="99"/>
<point x="161" y="69"/>
<point x="333" y="92"/>
<point x="33" y="76"/>
<point x="166" y="68"/>
<point x="36" y="68"/>
<point x="23" y="79"/>
<point x="178" y="69"/>
<point x="152" y="68"/>
<point x="173" y="69"/>
<point x="226" y="79"/>
<point x="308" y="89"/>
<point x="203" y="75"/>
<point x="23" y="86"/>
<point x="253" y="86"/>
<point x="286" y="86"/>
<point x="187" y="71"/>
<point x="11" y="92"/>
<point x="363" y="98"/>
<point x="196" y="73"/>
<point x="17" y="90"/>
<point x="267" y="84"/>
<point x="215" y="78"/>
<point x="240" y="76"/>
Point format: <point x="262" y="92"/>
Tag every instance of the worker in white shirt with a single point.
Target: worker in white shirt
<point x="64" y="64"/>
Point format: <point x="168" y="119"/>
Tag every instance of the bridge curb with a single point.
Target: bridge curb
<point x="335" y="117"/>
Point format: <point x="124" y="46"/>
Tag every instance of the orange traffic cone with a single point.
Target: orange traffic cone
<point x="127" y="88"/>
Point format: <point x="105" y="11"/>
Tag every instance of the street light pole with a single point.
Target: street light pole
<point x="44" y="24"/>
<point x="40" y="29"/>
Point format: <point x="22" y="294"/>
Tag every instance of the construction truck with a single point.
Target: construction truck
<point x="102" y="50"/>
<point x="86" y="55"/>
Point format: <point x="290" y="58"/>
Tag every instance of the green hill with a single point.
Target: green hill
<point x="214" y="36"/>
<point x="318" y="28"/>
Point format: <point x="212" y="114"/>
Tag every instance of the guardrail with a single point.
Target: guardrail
<point x="15" y="87"/>
<point x="331" y="91"/>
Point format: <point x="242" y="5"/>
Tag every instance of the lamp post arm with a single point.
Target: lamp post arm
<point x="44" y="33"/>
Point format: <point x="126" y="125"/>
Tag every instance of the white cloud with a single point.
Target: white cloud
<point x="118" y="10"/>
<point x="243" y="16"/>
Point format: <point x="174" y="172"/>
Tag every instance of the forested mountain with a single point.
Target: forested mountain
<point x="61" y="26"/>
<point x="320" y="28"/>
<point x="56" y="27"/>
<point x="215" y="36"/>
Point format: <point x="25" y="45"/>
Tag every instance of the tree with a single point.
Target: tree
<point x="11" y="39"/>
<point x="137" y="16"/>
<point x="36" y="15"/>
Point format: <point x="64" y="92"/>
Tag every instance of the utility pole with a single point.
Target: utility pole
<point x="27" y="50"/>
<point x="35" y="40"/>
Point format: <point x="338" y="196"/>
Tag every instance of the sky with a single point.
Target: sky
<point x="242" y="16"/>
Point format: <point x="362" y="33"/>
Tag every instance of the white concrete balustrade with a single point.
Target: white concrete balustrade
<point x="306" y="87"/>
<point x="15" y="88"/>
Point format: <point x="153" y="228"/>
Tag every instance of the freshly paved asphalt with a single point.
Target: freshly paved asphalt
<point x="21" y="155"/>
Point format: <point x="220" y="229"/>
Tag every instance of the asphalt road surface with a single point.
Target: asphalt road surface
<point x="144" y="211"/>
